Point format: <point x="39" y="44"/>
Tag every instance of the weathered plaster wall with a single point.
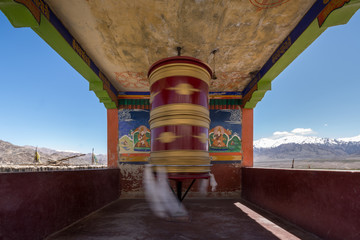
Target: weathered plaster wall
<point x="131" y="177"/>
<point x="36" y="204"/>
<point x="326" y="203"/>
<point x="125" y="37"/>
<point x="228" y="177"/>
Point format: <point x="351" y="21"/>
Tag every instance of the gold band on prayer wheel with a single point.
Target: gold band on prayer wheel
<point x="180" y="161"/>
<point x="180" y="69"/>
<point x="179" y="109"/>
<point x="183" y="153"/>
<point x="180" y="120"/>
<point x="183" y="169"/>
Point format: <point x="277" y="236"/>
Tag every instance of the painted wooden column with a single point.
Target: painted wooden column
<point x="112" y="137"/>
<point x="247" y="137"/>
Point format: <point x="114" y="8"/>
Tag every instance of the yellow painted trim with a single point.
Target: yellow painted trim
<point x="226" y="158"/>
<point x="134" y="159"/>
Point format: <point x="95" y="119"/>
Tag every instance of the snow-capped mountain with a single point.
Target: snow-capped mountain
<point x="306" y="147"/>
<point x="351" y="139"/>
<point x="271" y="143"/>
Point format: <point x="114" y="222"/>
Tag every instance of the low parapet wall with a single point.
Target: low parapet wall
<point x="41" y="168"/>
<point x="36" y="204"/>
<point x="326" y="203"/>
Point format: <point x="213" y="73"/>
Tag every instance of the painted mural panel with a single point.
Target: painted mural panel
<point x="224" y="135"/>
<point x="225" y="132"/>
<point x="134" y="132"/>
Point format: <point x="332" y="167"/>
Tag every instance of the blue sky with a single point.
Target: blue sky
<point x="319" y="90"/>
<point x="44" y="102"/>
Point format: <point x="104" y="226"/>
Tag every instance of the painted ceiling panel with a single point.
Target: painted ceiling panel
<point x="125" y="37"/>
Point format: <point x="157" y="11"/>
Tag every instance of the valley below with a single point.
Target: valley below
<point x="324" y="164"/>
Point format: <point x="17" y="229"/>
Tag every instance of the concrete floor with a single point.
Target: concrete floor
<point x="210" y="219"/>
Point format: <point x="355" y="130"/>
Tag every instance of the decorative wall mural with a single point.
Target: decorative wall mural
<point x="334" y="4"/>
<point x="225" y="130"/>
<point x="224" y="135"/>
<point x="219" y="137"/>
<point x="132" y="80"/>
<point x="263" y="4"/>
<point x="134" y="132"/>
<point x="141" y="136"/>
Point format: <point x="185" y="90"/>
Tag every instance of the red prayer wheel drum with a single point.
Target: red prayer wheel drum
<point x="179" y="115"/>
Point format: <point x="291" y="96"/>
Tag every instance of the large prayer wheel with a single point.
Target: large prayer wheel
<point x="179" y="116"/>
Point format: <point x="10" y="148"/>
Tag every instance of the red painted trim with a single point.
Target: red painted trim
<point x="247" y="137"/>
<point x="133" y="96"/>
<point x="112" y="137"/>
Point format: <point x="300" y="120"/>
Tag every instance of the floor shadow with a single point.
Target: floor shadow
<point x="210" y="219"/>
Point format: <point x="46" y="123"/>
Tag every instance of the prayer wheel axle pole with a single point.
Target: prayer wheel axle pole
<point x="179" y="189"/>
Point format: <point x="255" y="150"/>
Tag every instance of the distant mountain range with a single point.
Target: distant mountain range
<point x="265" y="150"/>
<point x="11" y="154"/>
<point x="306" y="148"/>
